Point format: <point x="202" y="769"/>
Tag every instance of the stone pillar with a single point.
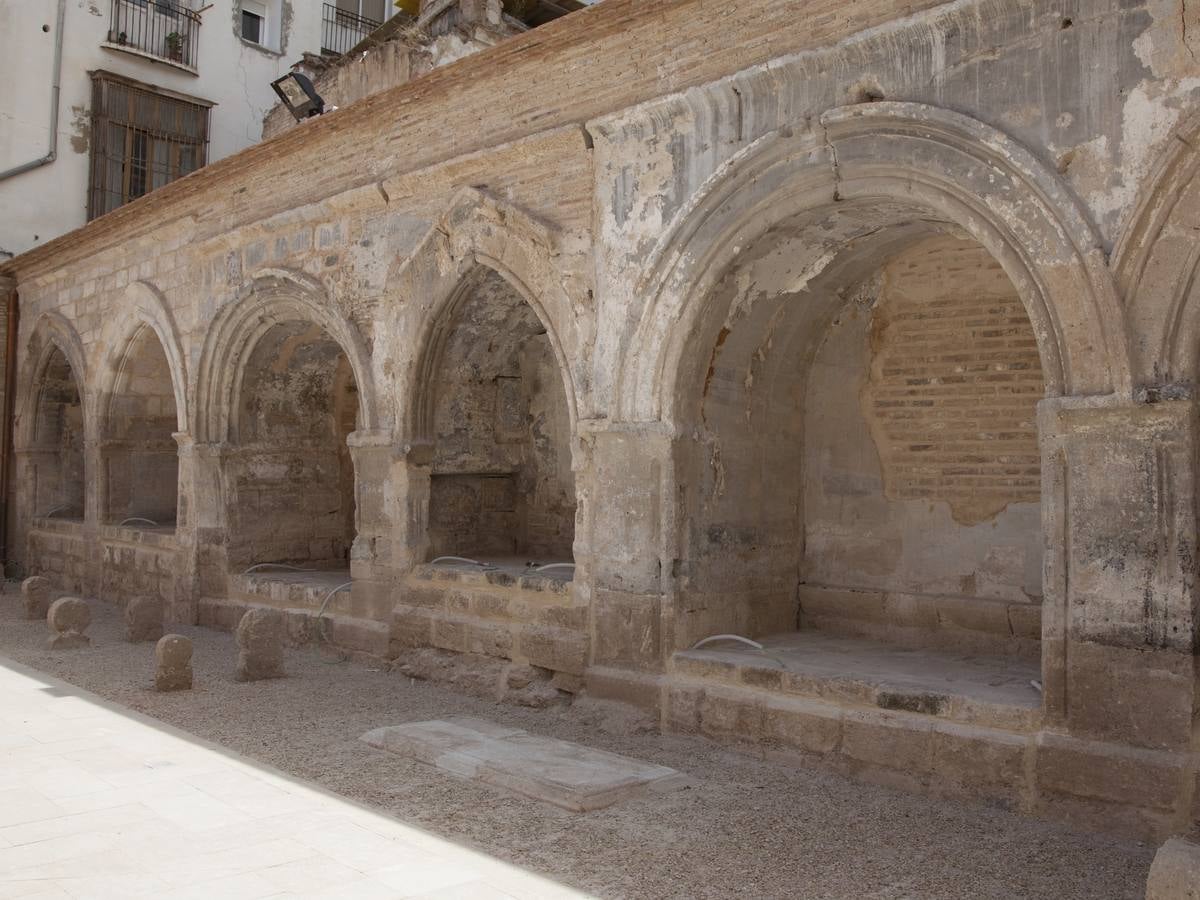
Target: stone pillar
<point x="23" y="506"/>
<point x="1119" y="615"/>
<point x="93" y="510"/>
<point x="411" y="474"/>
<point x="201" y="526"/>
<point x="372" y="558"/>
<point x="626" y="486"/>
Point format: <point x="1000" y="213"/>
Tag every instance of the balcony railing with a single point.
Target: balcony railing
<point x="162" y="28"/>
<point x="341" y="30"/>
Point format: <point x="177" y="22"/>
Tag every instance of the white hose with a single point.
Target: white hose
<point x="483" y="567"/>
<point x="277" y="566"/>
<point x="727" y="637"/>
<point x="329" y="596"/>
<point x="554" y="566"/>
<point x="138" y="519"/>
<point x="321" y="611"/>
<point x="461" y="559"/>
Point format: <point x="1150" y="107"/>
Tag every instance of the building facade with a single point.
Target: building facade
<point x="865" y="332"/>
<point x="141" y="92"/>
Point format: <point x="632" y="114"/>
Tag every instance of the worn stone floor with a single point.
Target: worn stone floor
<point x="97" y="801"/>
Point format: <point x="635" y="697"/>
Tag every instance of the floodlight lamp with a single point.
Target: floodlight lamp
<point x="299" y="96"/>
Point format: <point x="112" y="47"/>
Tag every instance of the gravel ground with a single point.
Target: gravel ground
<point x="748" y="827"/>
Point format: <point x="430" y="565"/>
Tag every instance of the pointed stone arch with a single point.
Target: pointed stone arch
<point x="51" y="333"/>
<point x="476" y="231"/>
<point x="919" y="163"/>
<point x="1156" y="261"/>
<point x="271" y="296"/>
<point x="53" y="475"/>
<point x="142" y="306"/>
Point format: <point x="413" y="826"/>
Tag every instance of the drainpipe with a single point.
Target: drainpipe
<point x="10" y="407"/>
<point x="55" y="89"/>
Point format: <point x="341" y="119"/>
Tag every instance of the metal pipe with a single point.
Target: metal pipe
<point x="55" y="90"/>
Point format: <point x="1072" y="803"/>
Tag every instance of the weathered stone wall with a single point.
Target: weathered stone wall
<point x="501" y="479"/>
<point x="292" y="497"/>
<point x="954" y="384"/>
<point x="686" y="231"/>
<point x="138" y="563"/>
<point x="141" y="458"/>
<point x="929" y="485"/>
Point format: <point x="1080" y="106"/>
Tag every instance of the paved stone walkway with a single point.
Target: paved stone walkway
<point x="97" y="801"/>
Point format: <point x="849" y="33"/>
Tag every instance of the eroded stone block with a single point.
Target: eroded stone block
<point x="260" y="636"/>
<point x="35" y="597"/>
<point x="173" y="663"/>
<point x="144" y="619"/>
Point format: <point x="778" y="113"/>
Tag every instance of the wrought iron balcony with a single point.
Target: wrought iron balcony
<point x="341" y="30"/>
<point x="165" y="29"/>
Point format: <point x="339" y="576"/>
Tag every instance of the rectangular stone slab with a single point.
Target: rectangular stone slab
<point x="570" y="776"/>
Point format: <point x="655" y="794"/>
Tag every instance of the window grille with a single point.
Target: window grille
<point x="141" y="140"/>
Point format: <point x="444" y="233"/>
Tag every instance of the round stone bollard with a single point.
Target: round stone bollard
<point x="144" y="619"/>
<point x="35" y="596"/>
<point x="1175" y="874"/>
<point x="260" y="636"/>
<point x="69" y="618"/>
<point x="173" y="659"/>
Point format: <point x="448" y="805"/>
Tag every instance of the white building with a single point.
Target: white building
<point x="141" y="92"/>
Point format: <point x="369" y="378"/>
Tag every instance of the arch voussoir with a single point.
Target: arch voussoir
<point x="270" y="297"/>
<point x="916" y="162"/>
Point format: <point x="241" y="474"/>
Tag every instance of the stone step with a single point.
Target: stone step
<point x="855" y="672"/>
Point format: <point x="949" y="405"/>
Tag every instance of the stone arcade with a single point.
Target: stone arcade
<point x="867" y="331"/>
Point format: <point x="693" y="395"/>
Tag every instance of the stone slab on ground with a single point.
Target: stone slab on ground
<point x="568" y="775"/>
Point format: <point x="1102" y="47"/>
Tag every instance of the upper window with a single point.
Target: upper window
<point x="252" y="26"/>
<point x="260" y="23"/>
<point x="368" y="9"/>
<point x="141" y="140"/>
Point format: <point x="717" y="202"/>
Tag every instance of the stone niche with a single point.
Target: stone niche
<point x="501" y="483"/>
<point x="865" y="456"/>
<point x="141" y="458"/>
<point x="929" y="486"/>
<point x="57" y="451"/>
<point x="294" y="498"/>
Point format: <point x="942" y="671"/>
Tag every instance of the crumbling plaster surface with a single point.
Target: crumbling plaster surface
<point x="686" y="242"/>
